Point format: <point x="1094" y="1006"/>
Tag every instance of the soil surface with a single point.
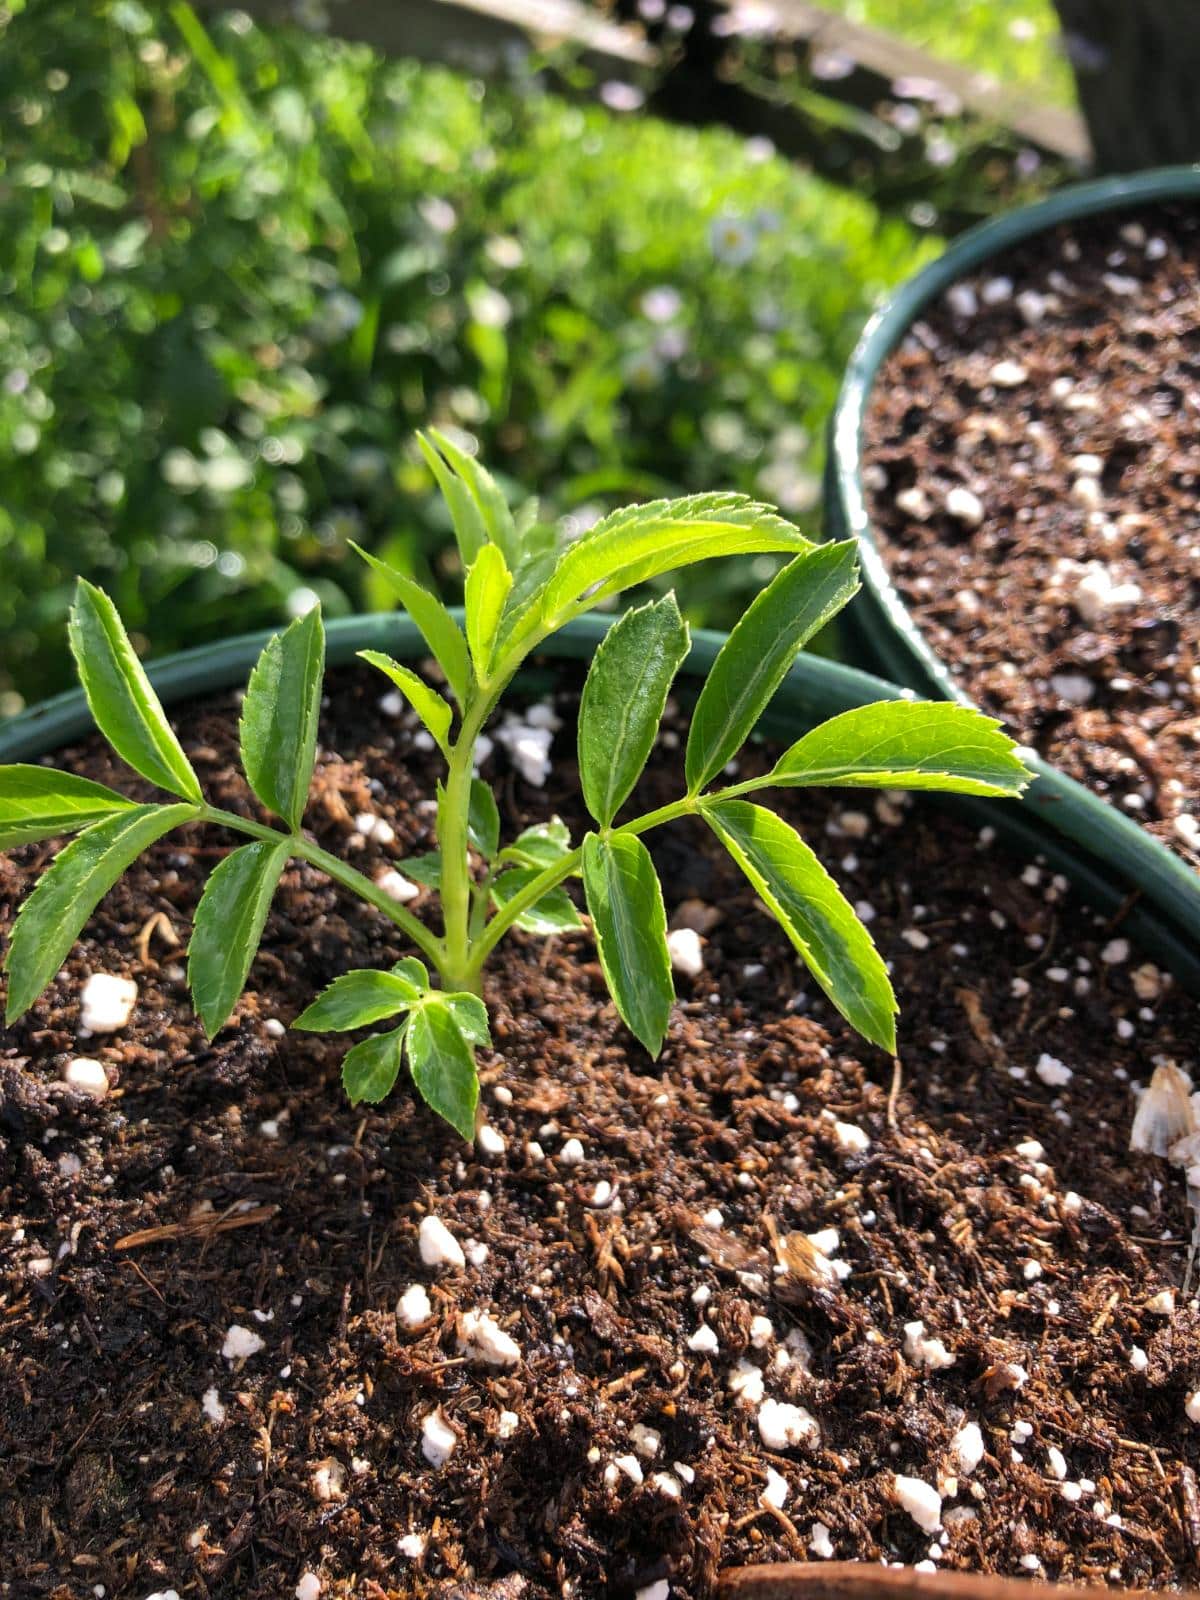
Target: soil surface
<point x="229" y="1185"/>
<point x="1033" y="469"/>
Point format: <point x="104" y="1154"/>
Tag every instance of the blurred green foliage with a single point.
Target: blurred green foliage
<point x="239" y="267"/>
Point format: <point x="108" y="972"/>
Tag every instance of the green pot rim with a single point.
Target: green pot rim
<point x="880" y="628"/>
<point x="814" y="689"/>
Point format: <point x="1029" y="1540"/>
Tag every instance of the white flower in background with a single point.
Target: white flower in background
<point x="787" y="485"/>
<point x="661" y="304"/>
<point x="643" y="369"/>
<point x="671" y="344"/>
<point x="339" y="315"/>
<point x="733" y="240"/>
<point x="749" y="20"/>
<point x="504" y="251"/>
<point x="680" y="19"/>
<point x="438" y="214"/>
<point x="618" y="96"/>
<point x="489" y="307"/>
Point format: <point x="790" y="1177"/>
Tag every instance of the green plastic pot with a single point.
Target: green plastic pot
<point x="880" y="632"/>
<point x="814" y="690"/>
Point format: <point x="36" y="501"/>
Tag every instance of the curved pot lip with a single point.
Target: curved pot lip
<point x="1123" y="847"/>
<point x="815" y="688"/>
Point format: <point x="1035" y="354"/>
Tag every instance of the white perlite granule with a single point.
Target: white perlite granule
<point x="241" y="1343"/>
<point x="438" y="1438"/>
<point x="438" y="1246"/>
<point x="106" y="1003"/>
<point x="413" y="1307"/>
<point x="86" y="1076"/>
<point x="922" y="1502"/>
<point x="782" y="1426"/>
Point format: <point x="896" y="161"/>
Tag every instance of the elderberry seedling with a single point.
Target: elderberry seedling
<point x="521" y="586"/>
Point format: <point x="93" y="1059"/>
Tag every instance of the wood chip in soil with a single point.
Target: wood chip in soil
<point x="765" y="1180"/>
<point x="1032" y="461"/>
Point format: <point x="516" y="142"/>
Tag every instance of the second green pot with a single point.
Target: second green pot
<point x="879" y="629"/>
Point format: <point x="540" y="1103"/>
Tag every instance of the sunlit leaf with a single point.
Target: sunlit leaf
<point x="626" y="906"/>
<point x="813" y="912"/>
<point x="441" y="1059"/>
<point x="433" y="711"/>
<point x="623" y="700"/>
<point x="357" y="999"/>
<point x="126" y="708"/>
<point x="40" y="803"/>
<point x="553" y="913"/>
<point x="228" y="926"/>
<point x="445" y="639"/>
<point x="754" y="660"/>
<point x="70" y="889"/>
<point x="278" y="725"/>
<point x="370" y="1068"/>
<point x="487" y="587"/>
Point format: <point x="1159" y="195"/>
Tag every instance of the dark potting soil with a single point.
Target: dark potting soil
<point x="1032" y="460"/>
<point x="230" y="1186"/>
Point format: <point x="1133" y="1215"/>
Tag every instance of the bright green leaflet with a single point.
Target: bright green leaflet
<point x="426" y="702"/>
<point x="442" y="1063"/>
<point x="80" y="875"/>
<point x="358" y="999"/>
<point x="470" y="529"/>
<point x="437" y="627"/>
<point x="40" y="803"/>
<point x="813" y="912"/>
<point x="906" y="744"/>
<point x="126" y="708"/>
<point x="553" y="913"/>
<point x="487" y="588"/>
<point x="279" y="717"/>
<point x="754" y="660"/>
<point x="370" y="1069"/>
<point x="483" y="820"/>
<point x="623" y="700"/>
<point x="496" y="518"/>
<point x="542" y="845"/>
<point x="228" y="926"/>
<point x="626" y="906"/>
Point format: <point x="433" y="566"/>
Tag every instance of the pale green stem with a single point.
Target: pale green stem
<point x="552" y="876"/>
<point x="457" y="969"/>
<point x="349" y="877"/>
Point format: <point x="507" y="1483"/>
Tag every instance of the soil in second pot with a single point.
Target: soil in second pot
<point x="205" y="1383"/>
<point x="1032" y="461"/>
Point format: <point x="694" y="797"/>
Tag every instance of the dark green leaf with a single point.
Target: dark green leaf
<point x="126" y="708"/>
<point x="437" y="627"/>
<point x="755" y="658"/>
<point x="623" y="699"/>
<point x="40" y="803"/>
<point x="907" y="744"/>
<point x="483" y="820"/>
<point x="491" y="506"/>
<point x="553" y="913"/>
<point x="69" y="891"/>
<point x="278" y="727"/>
<point x="485" y="592"/>
<point x="814" y="914"/>
<point x="424" y="869"/>
<point x="357" y="999"/>
<point x="542" y="845"/>
<point x="228" y="926"/>
<point x="626" y="906"/>
<point x="426" y="702"/>
<point x="442" y="1063"/>
<point x="371" y="1068"/>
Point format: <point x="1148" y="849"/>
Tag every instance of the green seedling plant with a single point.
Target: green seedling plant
<point x="521" y="586"/>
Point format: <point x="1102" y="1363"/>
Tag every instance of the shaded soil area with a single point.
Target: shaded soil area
<point x="1032" y="461"/>
<point x="989" y="1197"/>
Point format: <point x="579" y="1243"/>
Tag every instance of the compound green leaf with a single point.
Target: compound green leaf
<point x="359" y="998"/>
<point x="486" y="590"/>
<point x="437" y="627"/>
<point x="371" y="1067"/>
<point x="813" y="912"/>
<point x="470" y="1016"/>
<point x="907" y="744"/>
<point x="553" y="913"/>
<point x="441" y="1059"/>
<point x="278" y="727"/>
<point x="623" y="700"/>
<point x="78" y="878"/>
<point x="754" y="660"/>
<point x="426" y="702"/>
<point x="126" y="708"/>
<point x="41" y="803"/>
<point x="228" y="926"/>
<point x="625" y="901"/>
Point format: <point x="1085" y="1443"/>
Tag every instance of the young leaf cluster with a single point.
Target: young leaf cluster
<point x="520" y="587"/>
